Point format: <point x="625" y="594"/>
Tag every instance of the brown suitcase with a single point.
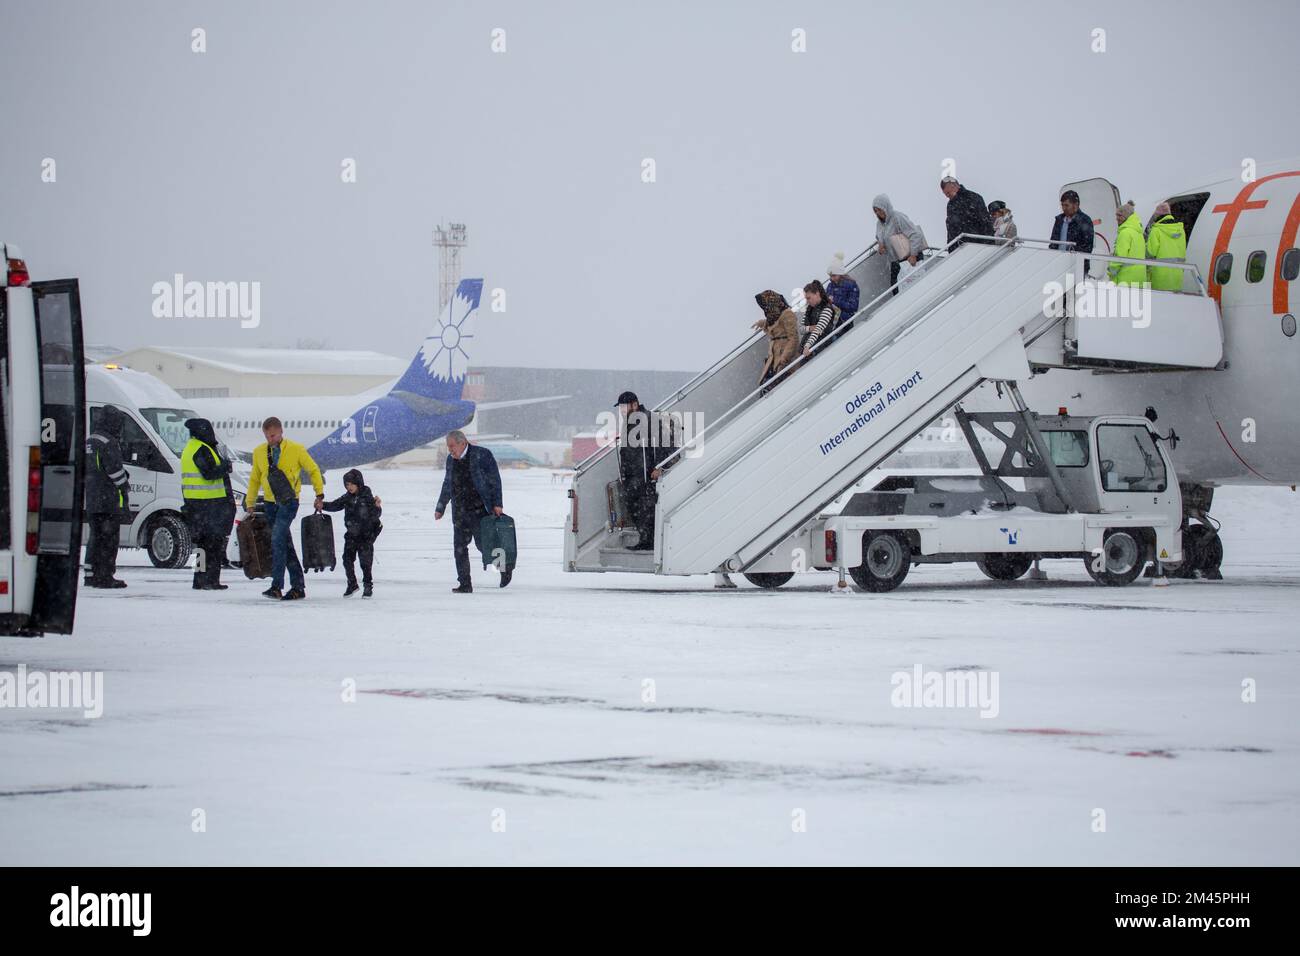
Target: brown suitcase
<point x="254" y="534"/>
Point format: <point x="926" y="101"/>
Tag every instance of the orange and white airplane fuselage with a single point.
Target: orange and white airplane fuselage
<point x="1238" y="424"/>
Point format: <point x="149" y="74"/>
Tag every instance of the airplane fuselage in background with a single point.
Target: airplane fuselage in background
<point x="336" y="432"/>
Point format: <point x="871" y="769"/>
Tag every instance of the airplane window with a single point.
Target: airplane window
<point x="1223" y="268"/>
<point x="1255" y="265"/>
<point x="1291" y="265"/>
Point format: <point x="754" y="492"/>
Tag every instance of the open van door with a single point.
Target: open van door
<point x="62" y="465"/>
<point x="1100" y="200"/>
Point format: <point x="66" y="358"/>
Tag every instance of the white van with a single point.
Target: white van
<point x="42" y="449"/>
<point x="153" y="439"/>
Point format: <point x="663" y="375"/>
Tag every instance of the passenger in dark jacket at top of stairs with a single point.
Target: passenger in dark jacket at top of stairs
<point x="967" y="212"/>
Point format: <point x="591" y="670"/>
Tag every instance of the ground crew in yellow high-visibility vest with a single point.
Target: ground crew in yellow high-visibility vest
<point x="1168" y="241"/>
<point x="209" y="503"/>
<point x="1129" y="244"/>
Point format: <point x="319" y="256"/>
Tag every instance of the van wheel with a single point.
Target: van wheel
<point x="769" y="579"/>
<point x="167" y="540"/>
<point x="1123" y="556"/>
<point x="1005" y="567"/>
<point x="886" y="559"/>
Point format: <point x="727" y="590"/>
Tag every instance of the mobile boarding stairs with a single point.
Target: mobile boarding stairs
<point x="742" y="492"/>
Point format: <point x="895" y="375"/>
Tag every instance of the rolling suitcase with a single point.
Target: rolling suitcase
<point x="318" y="542"/>
<point x="616" y="504"/>
<point x="496" y="536"/>
<point x="254" y="536"/>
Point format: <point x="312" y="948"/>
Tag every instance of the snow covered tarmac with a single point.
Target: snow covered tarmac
<point x="510" y="726"/>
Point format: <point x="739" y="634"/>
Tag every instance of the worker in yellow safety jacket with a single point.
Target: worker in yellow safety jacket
<point x="1168" y="241"/>
<point x="209" y="502"/>
<point x="1129" y="244"/>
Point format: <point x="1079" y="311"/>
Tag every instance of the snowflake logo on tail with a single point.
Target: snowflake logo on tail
<point x="443" y="351"/>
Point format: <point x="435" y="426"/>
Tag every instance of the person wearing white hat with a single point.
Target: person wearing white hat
<point x="842" y="290"/>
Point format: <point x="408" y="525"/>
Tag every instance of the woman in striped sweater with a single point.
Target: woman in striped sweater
<point x="820" y="318"/>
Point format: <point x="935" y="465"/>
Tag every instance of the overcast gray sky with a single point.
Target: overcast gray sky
<point x="225" y="165"/>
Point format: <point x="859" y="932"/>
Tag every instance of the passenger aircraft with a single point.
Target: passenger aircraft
<point x="1240" y="423"/>
<point x="420" y="407"/>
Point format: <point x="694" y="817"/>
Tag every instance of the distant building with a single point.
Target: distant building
<point x="256" y="372"/>
<point x="590" y="392"/>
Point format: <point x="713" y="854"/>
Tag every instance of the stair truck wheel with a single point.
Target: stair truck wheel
<point x="769" y="579"/>
<point x="886" y="559"/>
<point x="1123" y="556"/>
<point x="1005" y="567"/>
<point x="167" y="541"/>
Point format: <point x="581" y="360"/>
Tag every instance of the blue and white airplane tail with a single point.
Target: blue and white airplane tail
<point x="439" y="367"/>
<point x="424" y="404"/>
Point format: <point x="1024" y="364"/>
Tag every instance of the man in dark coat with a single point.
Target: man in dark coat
<point x="209" y="507"/>
<point x="473" y="486"/>
<point x="1072" y="225"/>
<point x="967" y="212"/>
<point x="643" y="445"/>
<point x="108" y="490"/>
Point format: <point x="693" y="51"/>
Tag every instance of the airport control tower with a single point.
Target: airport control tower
<point x="450" y="240"/>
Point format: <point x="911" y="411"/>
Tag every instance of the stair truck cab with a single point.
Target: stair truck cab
<point x="42" y="449"/>
<point x="1101" y="489"/>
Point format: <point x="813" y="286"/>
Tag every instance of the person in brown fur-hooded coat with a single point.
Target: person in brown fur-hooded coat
<point x="782" y="329"/>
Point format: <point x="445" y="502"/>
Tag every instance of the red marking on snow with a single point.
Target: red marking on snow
<point x="1055" y="732"/>
<point x="1150" y="753"/>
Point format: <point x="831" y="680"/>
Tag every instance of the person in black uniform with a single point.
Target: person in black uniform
<point x="473" y="486"/>
<point x="108" y="491"/>
<point x="643" y="445"/>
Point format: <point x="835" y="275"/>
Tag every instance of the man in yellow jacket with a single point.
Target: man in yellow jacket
<point x="278" y="464"/>
<point x="1168" y="241"/>
<point x="1129" y="244"/>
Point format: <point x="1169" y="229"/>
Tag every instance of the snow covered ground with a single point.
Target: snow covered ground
<point x="511" y="726"/>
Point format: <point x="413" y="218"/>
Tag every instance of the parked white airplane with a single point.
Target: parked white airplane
<point x="1240" y="423"/>
<point x="343" y="431"/>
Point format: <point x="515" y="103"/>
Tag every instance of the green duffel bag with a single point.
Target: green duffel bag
<point x="496" y="539"/>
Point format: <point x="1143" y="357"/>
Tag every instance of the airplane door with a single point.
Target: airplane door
<point x="368" y="424"/>
<point x="1099" y="199"/>
<point x="63" y="441"/>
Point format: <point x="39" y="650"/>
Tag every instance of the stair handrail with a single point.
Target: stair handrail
<point x="799" y="361"/>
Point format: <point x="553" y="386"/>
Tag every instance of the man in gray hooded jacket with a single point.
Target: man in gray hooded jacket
<point x="893" y="223"/>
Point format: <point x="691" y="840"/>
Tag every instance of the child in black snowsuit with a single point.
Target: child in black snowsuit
<point x="361" y="512"/>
